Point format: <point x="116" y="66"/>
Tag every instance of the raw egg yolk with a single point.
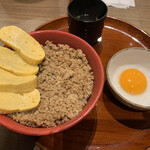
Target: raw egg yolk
<point x="133" y="81"/>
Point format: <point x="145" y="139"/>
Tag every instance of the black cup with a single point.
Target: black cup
<point x="86" y="19"/>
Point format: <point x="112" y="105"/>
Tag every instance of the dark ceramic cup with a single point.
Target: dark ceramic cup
<point x="86" y="19"/>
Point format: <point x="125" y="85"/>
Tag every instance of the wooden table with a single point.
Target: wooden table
<point x="28" y="14"/>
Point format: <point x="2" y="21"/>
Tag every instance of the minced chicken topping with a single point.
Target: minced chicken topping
<point x="65" y="82"/>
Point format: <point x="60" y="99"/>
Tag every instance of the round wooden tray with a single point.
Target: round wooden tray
<point x="110" y="125"/>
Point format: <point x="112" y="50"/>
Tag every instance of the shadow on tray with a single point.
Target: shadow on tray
<point x="123" y="114"/>
<point x="79" y="137"/>
<point x="13" y="141"/>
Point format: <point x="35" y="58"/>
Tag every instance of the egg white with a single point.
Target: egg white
<point x="141" y="99"/>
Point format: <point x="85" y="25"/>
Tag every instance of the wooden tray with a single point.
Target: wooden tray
<point x="110" y="125"/>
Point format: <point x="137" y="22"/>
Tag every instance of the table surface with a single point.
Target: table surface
<point x="28" y="14"/>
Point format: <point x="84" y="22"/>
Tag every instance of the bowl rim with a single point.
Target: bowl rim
<point x="26" y="130"/>
<point x="122" y="99"/>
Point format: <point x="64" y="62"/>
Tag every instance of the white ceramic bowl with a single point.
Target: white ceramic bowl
<point x="137" y="58"/>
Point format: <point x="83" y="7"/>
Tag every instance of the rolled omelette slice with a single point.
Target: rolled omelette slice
<point x="10" y="82"/>
<point x="27" y="47"/>
<point x="18" y="102"/>
<point x="11" y="61"/>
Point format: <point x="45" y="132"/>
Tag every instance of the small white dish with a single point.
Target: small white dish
<point x="129" y="58"/>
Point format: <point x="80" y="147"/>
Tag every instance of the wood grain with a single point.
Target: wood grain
<point x="28" y="14"/>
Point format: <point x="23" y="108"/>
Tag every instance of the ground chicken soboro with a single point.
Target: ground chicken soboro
<point x="65" y="81"/>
